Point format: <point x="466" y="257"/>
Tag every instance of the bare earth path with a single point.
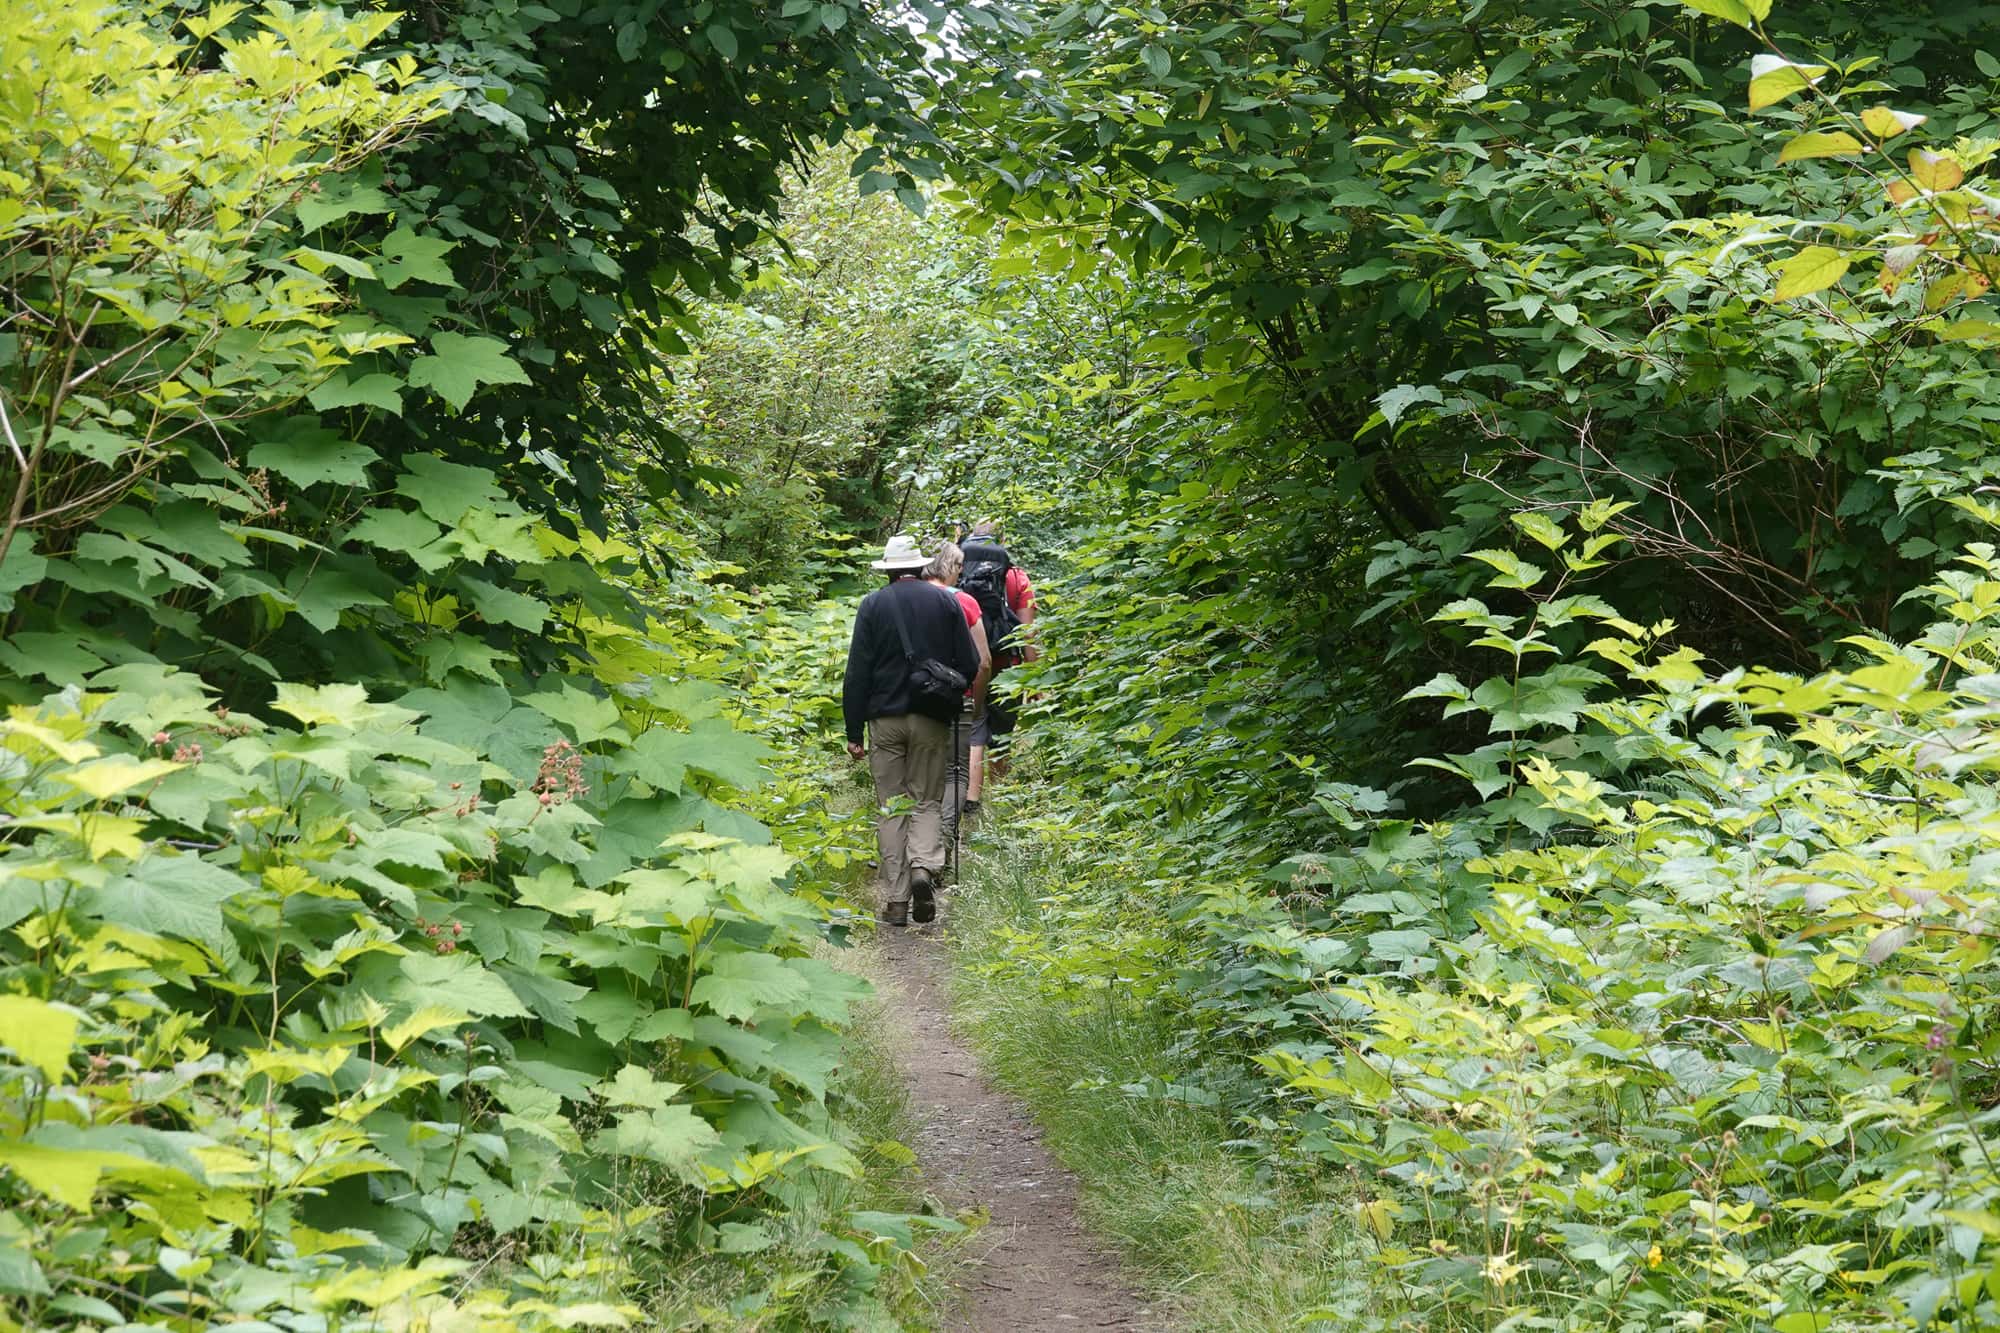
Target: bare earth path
<point x="1034" y="1267"/>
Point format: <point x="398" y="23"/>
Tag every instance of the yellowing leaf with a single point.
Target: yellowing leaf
<point x="1729" y="11"/>
<point x="105" y="778"/>
<point x="1773" y="79"/>
<point x="67" y="1175"/>
<point x="427" y="1019"/>
<point x="48" y="738"/>
<point x="1886" y="122"/>
<point x="1837" y="144"/>
<point x="38" y="1032"/>
<point x="319" y="706"/>
<point x="1812" y="269"/>
<point x="1935" y="171"/>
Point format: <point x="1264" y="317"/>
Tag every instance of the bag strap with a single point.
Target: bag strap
<point x="902" y="624"/>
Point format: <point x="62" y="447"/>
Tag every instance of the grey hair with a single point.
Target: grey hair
<point x="986" y="527"/>
<point x="946" y="564"/>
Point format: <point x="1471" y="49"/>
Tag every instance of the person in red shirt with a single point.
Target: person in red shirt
<point x="943" y="570"/>
<point x="1020" y="594"/>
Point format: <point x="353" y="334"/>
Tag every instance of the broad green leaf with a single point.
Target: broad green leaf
<point x="411" y="254"/>
<point x="446" y="491"/>
<point x="21" y="568"/>
<point x="369" y="390"/>
<point x="40" y="1033"/>
<point x="636" y="1086"/>
<point x="460" y="363"/>
<point x="175" y="896"/>
<point x="455" y="981"/>
<point x="339" y="199"/>
<point x="405" y="533"/>
<point x="503" y="606"/>
<point x="591" y="718"/>
<point x="325" y="705"/>
<point x="673" y="1136"/>
<point x="310" y="457"/>
<point x="1812" y="269"/>
<point x="737" y="985"/>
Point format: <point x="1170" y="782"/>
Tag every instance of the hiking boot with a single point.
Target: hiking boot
<point x="923" y="895"/>
<point x="895" y="914"/>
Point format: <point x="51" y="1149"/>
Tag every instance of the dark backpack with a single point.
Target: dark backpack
<point x="985" y="579"/>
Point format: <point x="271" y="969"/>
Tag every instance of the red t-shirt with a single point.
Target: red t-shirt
<point x="1020" y="592"/>
<point x="970" y="605"/>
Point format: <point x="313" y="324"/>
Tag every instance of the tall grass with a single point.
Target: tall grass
<point x="1231" y="1246"/>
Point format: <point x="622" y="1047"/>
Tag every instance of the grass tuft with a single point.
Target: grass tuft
<point x="1198" y="1221"/>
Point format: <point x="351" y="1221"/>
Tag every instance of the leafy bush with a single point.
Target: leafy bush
<point x="308" y="1020"/>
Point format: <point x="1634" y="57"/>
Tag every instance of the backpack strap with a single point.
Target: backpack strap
<point x="902" y="622"/>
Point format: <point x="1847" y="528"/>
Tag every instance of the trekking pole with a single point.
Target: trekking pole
<point x="957" y="807"/>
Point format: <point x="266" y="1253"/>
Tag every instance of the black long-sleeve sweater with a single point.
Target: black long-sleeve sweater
<point x="878" y="675"/>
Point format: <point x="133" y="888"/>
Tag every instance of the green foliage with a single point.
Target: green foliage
<point x="394" y="932"/>
<point x="311" y="1016"/>
<point x="1519" y="255"/>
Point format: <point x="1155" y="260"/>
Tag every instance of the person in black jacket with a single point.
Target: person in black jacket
<point x="907" y="752"/>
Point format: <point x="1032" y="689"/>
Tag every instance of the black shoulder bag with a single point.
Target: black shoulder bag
<point x="936" y="689"/>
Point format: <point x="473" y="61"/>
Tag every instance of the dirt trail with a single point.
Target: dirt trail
<point x="1033" y="1265"/>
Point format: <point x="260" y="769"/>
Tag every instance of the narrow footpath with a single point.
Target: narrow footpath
<point x="1033" y="1265"/>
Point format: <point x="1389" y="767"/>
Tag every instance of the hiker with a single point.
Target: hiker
<point x="908" y="666"/>
<point x="943" y="570"/>
<point x="1007" y="607"/>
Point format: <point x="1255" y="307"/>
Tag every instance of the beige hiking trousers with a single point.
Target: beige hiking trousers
<point x="908" y="756"/>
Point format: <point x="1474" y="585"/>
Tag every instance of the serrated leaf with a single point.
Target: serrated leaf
<point x="101" y="779"/>
<point x="412" y="254"/>
<point x="460" y="363"/>
<point x="672" y="1136"/>
<point x="1812" y="269"/>
<point x="1839" y="143"/>
<point x="372" y="390"/>
<point x="175" y="897"/>
<point x="588" y="716"/>
<point x="427" y="1018"/>
<point x="455" y="980"/>
<point x="634" y="1086"/>
<point x="311" y="457"/>
<point x="39" y="1033"/>
<point x="323" y="705"/>
<point x="404" y="532"/>
<point x="737" y="985"/>
<point x="338" y="199"/>
<point x="447" y="491"/>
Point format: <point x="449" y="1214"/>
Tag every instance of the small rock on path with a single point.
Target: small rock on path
<point x="1034" y="1266"/>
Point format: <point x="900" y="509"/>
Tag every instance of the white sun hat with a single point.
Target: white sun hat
<point x="901" y="553"/>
